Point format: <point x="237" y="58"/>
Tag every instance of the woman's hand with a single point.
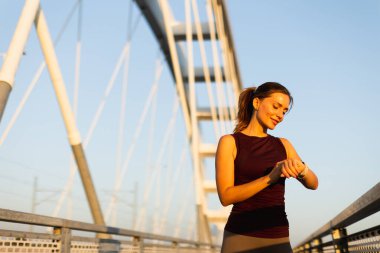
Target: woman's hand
<point x="276" y="173"/>
<point x="292" y="167"/>
<point x="287" y="168"/>
<point x="295" y="166"/>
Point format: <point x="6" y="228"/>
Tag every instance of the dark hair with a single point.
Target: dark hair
<point x="245" y="106"/>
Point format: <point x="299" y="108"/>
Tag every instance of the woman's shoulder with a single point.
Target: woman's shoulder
<point x="228" y="138"/>
<point x="284" y="141"/>
<point x="227" y="141"/>
<point x="227" y="145"/>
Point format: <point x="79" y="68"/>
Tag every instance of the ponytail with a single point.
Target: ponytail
<point x="245" y="109"/>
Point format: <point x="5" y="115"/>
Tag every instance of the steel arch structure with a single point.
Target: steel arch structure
<point x="176" y="42"/>
<point x="208" y="87"/>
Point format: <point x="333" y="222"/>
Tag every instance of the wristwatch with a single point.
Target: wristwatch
<point x="303" y="173"/>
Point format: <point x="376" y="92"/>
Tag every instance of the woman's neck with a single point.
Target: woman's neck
<point x="254" y="128"/>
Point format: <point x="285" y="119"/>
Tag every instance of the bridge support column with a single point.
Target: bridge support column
<point x="340" y="242"/>
<point x="15" y="51"/>
<point x="68" y="118"/>
<point x="5" y="90"/>
<point x="204" y="234"/>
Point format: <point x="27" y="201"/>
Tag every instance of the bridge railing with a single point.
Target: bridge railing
<point x="62" y="239"/>
<point x="335" y="231"/>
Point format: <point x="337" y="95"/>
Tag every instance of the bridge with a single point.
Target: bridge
<point x="195" y="54"/>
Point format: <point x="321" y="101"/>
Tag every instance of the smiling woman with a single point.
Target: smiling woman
<point x="251" y="169"/>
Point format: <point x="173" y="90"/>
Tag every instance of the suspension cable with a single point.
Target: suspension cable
<point x="122" y="57"/>
<point x="157" y="169"/>
<point x="121" y="132"/>
<point x="131" y="149"/>
<point x="183" y="208"/>
<point x="177" y="174"/>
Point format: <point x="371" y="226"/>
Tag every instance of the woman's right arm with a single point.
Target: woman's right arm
<point x="224" y="164"/>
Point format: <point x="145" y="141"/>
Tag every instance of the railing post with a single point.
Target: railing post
<point x="109" y="246"/>
<point x="175" y="246"/>
<point x="138" y="241"/>
<point x="65" y="241"/>
<point x="301" y="249"/>
<point x="317" y="243"/>
<point x="307" y="247"/>
<point x="340" y="242"/>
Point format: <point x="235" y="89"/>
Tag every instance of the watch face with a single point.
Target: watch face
<point x="300" y="176"/>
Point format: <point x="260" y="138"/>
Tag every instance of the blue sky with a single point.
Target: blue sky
<point x="327" y="54"/>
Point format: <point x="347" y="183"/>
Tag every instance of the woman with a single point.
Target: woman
<point x="251" y="169"/>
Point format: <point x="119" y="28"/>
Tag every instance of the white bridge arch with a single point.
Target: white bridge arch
<point x="200" y="54"/>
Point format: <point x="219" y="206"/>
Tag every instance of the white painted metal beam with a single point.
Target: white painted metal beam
<point x="205" y="113"/>
<point x="179" y="31"/>
<point x="207" y="150"/>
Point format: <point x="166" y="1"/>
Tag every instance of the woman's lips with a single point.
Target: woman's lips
<point x="275" y="122"/>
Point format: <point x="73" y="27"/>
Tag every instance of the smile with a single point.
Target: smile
<point x="275" y="122"/>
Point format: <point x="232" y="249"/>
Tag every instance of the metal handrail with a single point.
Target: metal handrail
<point x="64" y="224"/>
<point x="364" y="206"/>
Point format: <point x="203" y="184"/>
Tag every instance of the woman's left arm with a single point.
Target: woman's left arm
<point x="305" y="176"/>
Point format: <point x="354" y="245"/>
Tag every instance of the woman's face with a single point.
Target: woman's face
<point x="271" y="110"/>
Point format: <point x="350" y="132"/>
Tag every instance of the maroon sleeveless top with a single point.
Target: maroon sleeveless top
<point x="263" y="214"/>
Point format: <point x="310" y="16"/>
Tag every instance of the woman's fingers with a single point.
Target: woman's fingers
<point x="285" y="169"/>
<point x="289" y="169"/>
<point x="293" y="167"/>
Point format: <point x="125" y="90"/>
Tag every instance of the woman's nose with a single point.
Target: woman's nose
<point x="280" y="116"/>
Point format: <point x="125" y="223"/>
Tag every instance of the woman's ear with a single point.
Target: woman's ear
<point x="256" y="103"/>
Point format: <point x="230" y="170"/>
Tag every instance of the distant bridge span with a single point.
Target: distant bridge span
<point x="203" y="36"/>
<point x="176" y="40"/>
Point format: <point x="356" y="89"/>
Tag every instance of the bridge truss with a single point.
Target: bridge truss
<point x="178" y="41"/>
<point x="195" y="38"/>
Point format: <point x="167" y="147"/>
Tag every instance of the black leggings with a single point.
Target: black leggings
<point x="235" y="243"/>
